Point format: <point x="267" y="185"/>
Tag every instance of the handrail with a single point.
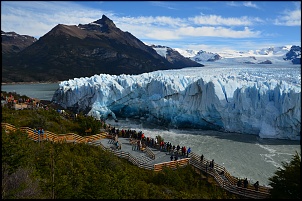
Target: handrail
<point x="150" y="153"/>
<point x="227" y="181"/>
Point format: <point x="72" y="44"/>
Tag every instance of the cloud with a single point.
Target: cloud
<point x="38" y="18"/>
<point x="232" y="3"/>
<point x="163" y="5"/>
<point x="250" y="4"/>
<point x="217" y="32"/>
<point x="218" y="20"/>
<point x="246" y="4"/>
<point x="289" y="18"/>
<point x="156" y="21"/>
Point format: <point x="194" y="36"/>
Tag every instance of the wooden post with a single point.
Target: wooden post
<point x="53" y="174"/>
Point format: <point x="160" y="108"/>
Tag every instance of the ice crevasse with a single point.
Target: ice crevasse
<point x="231" y="100"/>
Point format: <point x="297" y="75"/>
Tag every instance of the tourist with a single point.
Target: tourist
<point x="201" y="158"/>
<point x="138" y="144"/>
<point x="245" y="183"/>
<point x="171" y="157"/>
<point x="239" y="183"/>
<point x="207" y="164"/>
<point x="177" y="148"/>
<point x="256" y="185"/>
<point x="39" y="132"/>
<point x="42" y="133"/>
<point x="212" y="164"/>
<point x="188" y="152"/>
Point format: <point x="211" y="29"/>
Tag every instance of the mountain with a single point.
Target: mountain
<point x="69" y="51"/>
<point x="13" y="42"/>
<point x="174" y="57"/>
<point x="294" y="55"/>
<point x="271" y="55"/>
<point x="202" y="56"/>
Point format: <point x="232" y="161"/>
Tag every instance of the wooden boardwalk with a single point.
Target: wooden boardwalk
<point x="225" y="181"/>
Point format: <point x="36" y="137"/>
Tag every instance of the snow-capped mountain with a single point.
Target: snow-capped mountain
<point x="245" y="99"/>
<point x="294" y="55"/>
<point x="174" y="56"/>
<point x="202" y="56"/>
<point x="272" y="51"/>
<point x="271" y="55"/>
<point x="186" y="53"/>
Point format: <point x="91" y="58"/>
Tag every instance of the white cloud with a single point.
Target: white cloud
<point x="217" y="32"/>
<point x="38" y="18"/>
<point x="246" y="4"/>
<point x="289" y="18"/>
<point x="250" y="4"/>
<point x="162" y="34"/>
<point x="158" y="20"/>
<point x="232" y="3"/>
<point x="218" y="20"/>
<point x="163" y="5"/>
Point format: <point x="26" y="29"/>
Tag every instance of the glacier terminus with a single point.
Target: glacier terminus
<point x="262" y="100"/>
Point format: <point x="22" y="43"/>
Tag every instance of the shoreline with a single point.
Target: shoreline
<point x="43" y="82"/>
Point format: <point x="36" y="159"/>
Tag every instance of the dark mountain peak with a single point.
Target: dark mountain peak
<point x="105" y="21"/>
<point x="102" y="25"/>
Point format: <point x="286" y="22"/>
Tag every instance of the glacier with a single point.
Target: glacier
<point x="262" y="100"/>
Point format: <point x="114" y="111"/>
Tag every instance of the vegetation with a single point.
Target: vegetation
<point x="50" y="119"/>
<point x="286" y="181"/>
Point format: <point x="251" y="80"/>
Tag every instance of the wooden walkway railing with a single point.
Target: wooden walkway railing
<point x="49" y="136"/>
<point x="226" y="181"/>
<point x="172" y="164"/>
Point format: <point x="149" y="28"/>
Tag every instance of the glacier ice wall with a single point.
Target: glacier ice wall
<point x="260" y="101"/>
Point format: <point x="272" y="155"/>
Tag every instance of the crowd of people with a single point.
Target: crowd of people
<point x="139" y="140"/>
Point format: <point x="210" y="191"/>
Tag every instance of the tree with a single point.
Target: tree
<point x="286" y="181"/>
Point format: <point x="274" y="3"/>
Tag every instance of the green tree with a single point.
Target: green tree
<point x="87" y="123"/>
<point x="286" y="181"/>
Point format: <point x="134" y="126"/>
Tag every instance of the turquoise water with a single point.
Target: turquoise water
<point x="40" y="91"/>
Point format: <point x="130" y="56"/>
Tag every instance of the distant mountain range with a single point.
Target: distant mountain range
<point x="69" y="51"/>
<point x="269" y="55"/>
<point x="13" y="42"/>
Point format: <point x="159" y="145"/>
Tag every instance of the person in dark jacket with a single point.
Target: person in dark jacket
<point x="256" y="185"/>
<point x="245" y="183"/>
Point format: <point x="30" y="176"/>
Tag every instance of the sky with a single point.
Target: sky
<point x="211" y="26"/>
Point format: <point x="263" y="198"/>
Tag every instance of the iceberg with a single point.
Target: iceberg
<point x="258" y="100"/>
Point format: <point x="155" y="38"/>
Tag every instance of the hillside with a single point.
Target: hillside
<point x="13" y="42"/>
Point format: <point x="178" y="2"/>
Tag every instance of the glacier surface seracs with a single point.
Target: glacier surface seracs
<point x="260" y="100"/>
